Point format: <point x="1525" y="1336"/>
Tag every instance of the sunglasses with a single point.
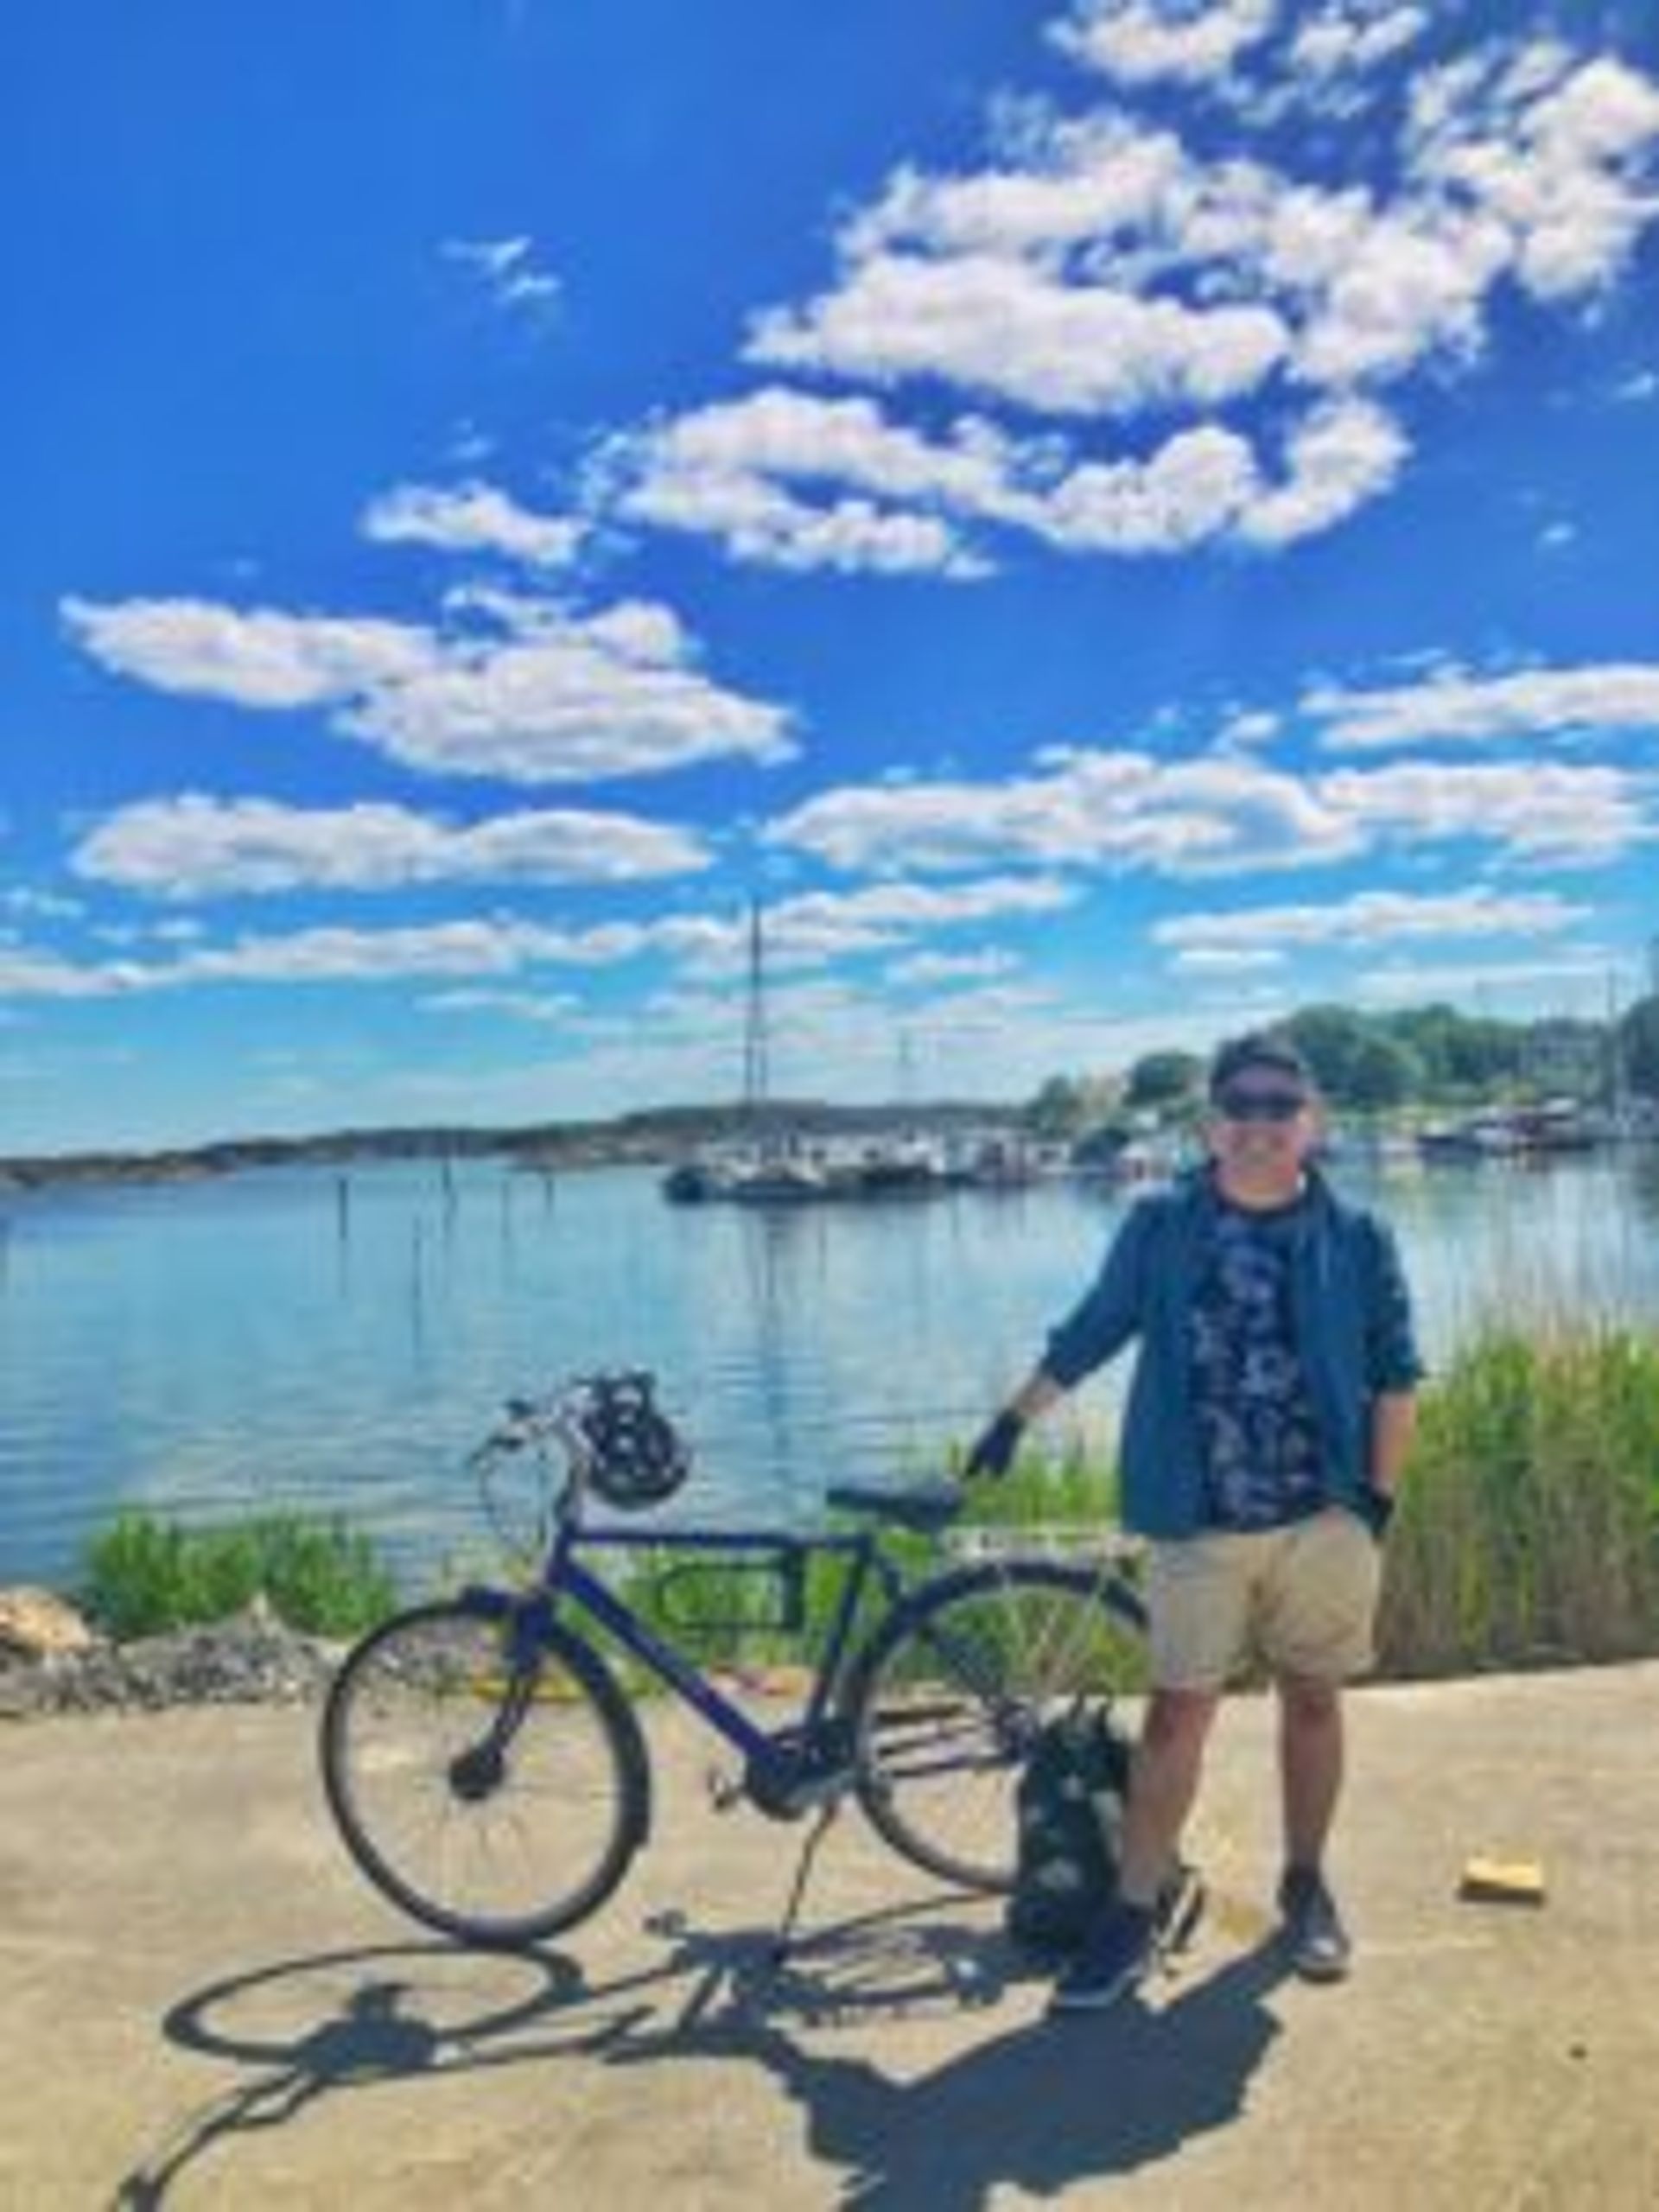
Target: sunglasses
<point x="1260" y="1105"/>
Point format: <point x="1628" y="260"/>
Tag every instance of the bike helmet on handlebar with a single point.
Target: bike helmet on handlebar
<point x="635" y="1457"/>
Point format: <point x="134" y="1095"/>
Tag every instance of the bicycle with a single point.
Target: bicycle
<point x="489" y="1774"/>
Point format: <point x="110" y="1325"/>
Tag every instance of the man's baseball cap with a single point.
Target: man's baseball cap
<point x="1259" y="1048"/>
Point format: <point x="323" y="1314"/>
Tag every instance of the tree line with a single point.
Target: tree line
<point x="1365" y="1063"/>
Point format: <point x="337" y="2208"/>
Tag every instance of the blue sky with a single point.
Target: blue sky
<point x="1111" y="519"/>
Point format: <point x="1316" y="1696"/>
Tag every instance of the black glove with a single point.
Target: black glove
<point x="1375" y="1508"/>
<point x="993" y="1453"/>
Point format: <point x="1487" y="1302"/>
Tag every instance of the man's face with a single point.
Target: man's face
<point x="1262" y="1126"/>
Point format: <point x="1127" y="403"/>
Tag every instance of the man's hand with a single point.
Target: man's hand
<point x="1375" y="1508"/>
<point x="993" y="1453"/>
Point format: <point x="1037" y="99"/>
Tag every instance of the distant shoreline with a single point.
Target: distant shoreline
<point x="654" y="1137"/>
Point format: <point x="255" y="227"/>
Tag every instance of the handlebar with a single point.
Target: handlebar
<point x="615" y="1438"/>
<point x="558" y="1417"/>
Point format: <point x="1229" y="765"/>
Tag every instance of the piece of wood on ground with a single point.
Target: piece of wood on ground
<point x="1502" y="1881"/>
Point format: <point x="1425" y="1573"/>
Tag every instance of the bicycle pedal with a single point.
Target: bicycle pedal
<point x="726" y="1791"/>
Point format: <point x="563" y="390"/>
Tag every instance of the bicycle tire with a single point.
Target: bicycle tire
<point x="948" y="1695"/>
<point x="418" y="1699"/>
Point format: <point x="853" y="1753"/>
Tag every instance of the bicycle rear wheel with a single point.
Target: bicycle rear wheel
<point x="494" y="1792"/>
<point x="953" y="1688"/>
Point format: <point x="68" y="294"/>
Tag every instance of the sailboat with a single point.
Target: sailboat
<point x="771" y="1168"/>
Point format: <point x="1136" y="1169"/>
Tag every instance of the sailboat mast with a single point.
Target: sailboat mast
<point x="756" y="1072"/>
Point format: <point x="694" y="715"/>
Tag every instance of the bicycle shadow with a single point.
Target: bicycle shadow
<point x="381" y="2014"/>
<point x="1030" y="2107"/>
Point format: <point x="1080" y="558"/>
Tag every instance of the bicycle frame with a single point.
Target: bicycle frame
<point x="565" y="1581"/>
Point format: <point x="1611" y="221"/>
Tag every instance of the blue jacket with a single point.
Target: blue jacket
<point x="1353" y="1330"/>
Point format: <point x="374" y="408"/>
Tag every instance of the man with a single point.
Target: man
<point x="1268" y="1422"/>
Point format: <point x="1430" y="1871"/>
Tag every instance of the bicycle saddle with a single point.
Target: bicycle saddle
<point x="924" y="1506"/>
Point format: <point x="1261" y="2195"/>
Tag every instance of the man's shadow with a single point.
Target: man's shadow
<point x="1046" y="2105"/>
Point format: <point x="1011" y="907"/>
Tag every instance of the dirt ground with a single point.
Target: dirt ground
<point x="204" y="2005"/>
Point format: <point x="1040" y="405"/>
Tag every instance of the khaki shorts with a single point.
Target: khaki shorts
<point x="1303" y="1599"/>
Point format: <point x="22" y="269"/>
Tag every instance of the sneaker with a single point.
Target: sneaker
<point x="1312" y="1932"/>
<point x="1112" y="1960"/>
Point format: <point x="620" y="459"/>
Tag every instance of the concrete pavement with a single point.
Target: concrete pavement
<point x="204" y="2005"/>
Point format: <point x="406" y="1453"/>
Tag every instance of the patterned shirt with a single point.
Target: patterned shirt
<point x="1257" y="1426"/>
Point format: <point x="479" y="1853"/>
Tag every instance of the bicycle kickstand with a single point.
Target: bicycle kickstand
<point x="782" y="1942"/>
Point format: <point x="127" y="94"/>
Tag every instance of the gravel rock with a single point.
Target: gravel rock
<point x="253" y="1659"/>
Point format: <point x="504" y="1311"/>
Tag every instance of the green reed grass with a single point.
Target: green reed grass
<point x="1529" y="1528"/>
<point x="719" y="1611"/>
<point x="145" y="1576"/>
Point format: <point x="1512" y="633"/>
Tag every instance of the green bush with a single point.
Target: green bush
<point x="145" y="1576"/>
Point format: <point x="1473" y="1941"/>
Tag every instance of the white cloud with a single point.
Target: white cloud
<point x="1198" y="485"/>
<point x="1251" y="727"/>
<point x="1078" y="182"/>
<point x="1453" y="706"/>
<point x="999" y="325"/>
<point x="1226" y="959"/>
<point x="927" y="969"/>
<point x="549" y="1006"/>
<point x="1142" y="41"/>
<point x="816" y="927"/>
<point x="1583" y="977"/>
<point x="490" y="946"/>
<point x="471" y="517"/>
<point x="529" y="691"/>
<point x="191" y="847"/>
<point x="737" y="471"/>
<point x="1338" y="458"/>
<point x="1347" y="37"/>
<point x="1101" y="271"/>
<point x="1110" y="810"/>
<point x="1372" y="918"/>
<point x="1407" y="285"/>
<point x="29" y="974"/>
<point x="1221" y="812"/>
<point x="1557" y="151"/>
<point x="29" y="903"/>
<point x="507" y="269"/>
<point x="1533" y="808"/>
<point x="810" y="930"/>
<point x="734" y="471"/>
<point x="260" y="658"/>
<point x="802" y="438"/>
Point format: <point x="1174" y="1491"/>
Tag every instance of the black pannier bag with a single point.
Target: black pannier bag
<point x="1069" y="1804"/>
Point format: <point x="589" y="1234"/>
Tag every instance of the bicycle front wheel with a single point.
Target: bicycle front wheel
<point x="497" y="1794"/>
<point x="954" y="1688"/>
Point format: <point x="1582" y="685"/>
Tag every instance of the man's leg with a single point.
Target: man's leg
<point x="1167" y="1763"/>
<point x="1310" y="1758"/>
<point x="1167" y="1766"/>
<point x="1310" y="1765"/>
<point x="1318" y="1613"/>
<point x="1198" y="1602"/>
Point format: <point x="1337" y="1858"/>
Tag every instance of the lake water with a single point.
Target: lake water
<point x="291" y="1337"/>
